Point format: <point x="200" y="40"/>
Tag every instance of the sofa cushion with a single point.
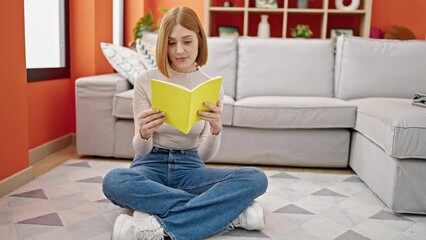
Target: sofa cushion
<point x="379" y="68"/>
<point x="123" y="107"/>
<point x="223" y="61"/>
<point x="285" y="67"/>
<point x="394" y="124"/>
<point x="293" y="112"/>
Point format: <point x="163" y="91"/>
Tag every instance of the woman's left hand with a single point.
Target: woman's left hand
<point x="214" y="117"/>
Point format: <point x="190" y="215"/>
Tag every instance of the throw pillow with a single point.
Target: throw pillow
<point x="147" y="53"/>
<point x="125" y="61"/>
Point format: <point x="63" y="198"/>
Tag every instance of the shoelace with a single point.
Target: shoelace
<point x="234" y="224"/>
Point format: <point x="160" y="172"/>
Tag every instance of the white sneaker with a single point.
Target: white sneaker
<point x="140" y="214"/>
<point x="127" y="228"/>
<point x="251" y="219"/>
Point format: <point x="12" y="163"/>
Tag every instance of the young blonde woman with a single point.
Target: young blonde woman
<point x="168" y="186"/>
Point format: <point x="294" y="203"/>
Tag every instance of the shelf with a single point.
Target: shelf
<point x="321" y="16"/>
<point x="296" y="10"/>
<point x="227" y="9"/>
<point x="335" y="11"/>
<point x="266" y="10"/>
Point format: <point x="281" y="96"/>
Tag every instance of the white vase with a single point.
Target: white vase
<point x="354" y="5"/>
<point x="263" y="30"/>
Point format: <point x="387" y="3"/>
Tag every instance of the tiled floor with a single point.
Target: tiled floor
<point x="67" y="203"/>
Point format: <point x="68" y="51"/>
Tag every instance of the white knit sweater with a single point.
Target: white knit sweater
<point x="167" y="136"/>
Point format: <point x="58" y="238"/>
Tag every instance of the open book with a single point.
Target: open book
<point x="180" y="104"/>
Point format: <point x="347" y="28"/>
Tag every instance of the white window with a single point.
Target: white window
<point x="45" y="37"/>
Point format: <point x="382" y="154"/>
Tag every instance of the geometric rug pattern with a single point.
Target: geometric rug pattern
<point x="67" y="203"/>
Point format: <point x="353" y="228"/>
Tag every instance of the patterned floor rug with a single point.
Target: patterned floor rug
<point x="68" y="203"/>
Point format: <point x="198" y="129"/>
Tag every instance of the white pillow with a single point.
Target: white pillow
<point x="125" y="61"/>
<point x="146" y="52"/>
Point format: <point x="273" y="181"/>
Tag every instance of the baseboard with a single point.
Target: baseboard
<point x="15" y="181"/>
<point x="73" y="139"/>
<point x="42" y="151"/>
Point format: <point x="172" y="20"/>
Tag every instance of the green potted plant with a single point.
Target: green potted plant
<point x="301" y="31"/>
<point x="145" y="23"/>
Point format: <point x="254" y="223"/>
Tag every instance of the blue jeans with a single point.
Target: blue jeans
<point x="189" y="200"/>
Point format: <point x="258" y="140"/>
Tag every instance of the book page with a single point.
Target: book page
<point x="215" y="79"/>
<point x="173" y="101"/>
<point x="173" y="84"/>
<point x="205" y="92"/>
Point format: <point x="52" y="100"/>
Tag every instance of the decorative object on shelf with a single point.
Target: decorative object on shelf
<point x="336" y="32"/>
<point x="399" y="33"/>
<point x="228" y="31"/>
<point x="302" y="3"/>
<point x="228" y="4"/>
<point x="264" y="29"/>
<point x="266" y="4"/>
<point x="354" y="5"/>
<point x="301" y="31"/>
<point x="376" y="32"/>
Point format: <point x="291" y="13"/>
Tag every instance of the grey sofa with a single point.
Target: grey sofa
<point x="294" y="102"/>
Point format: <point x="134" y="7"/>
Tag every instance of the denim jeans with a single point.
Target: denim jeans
<point x="188" y="199"/>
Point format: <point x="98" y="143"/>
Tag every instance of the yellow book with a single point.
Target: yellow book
<point x="181" y="105"/>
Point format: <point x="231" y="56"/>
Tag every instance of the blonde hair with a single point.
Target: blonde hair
<point x="187" y="18"/>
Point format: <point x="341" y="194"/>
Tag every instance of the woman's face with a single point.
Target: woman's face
<point x="183" y="49"/>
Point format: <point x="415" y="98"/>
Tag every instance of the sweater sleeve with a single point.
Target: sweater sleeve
<point x="210" y="144"/>
<point x="140" y="103"/>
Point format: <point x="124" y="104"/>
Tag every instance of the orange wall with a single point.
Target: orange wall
<point x="196" y="5"/>
<point x="103" y="33"/>
<point x="133" y="10"/>
<point x="49" y="110"/>
<point x="13" y="90"/>
<point x="411" y="14"/>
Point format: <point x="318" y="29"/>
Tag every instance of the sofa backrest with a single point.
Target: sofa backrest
<point x="222" y="60"/>
<point x="379" y="68"/>
<point x="284" y="67"/>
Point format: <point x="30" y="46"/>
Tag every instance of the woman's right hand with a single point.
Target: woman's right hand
<point x="149" y="121"/>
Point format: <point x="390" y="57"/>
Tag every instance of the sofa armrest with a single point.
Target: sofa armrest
<point x="95" y="122"/>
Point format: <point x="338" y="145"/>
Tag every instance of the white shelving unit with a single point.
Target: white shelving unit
<point x="364" y="13"/>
